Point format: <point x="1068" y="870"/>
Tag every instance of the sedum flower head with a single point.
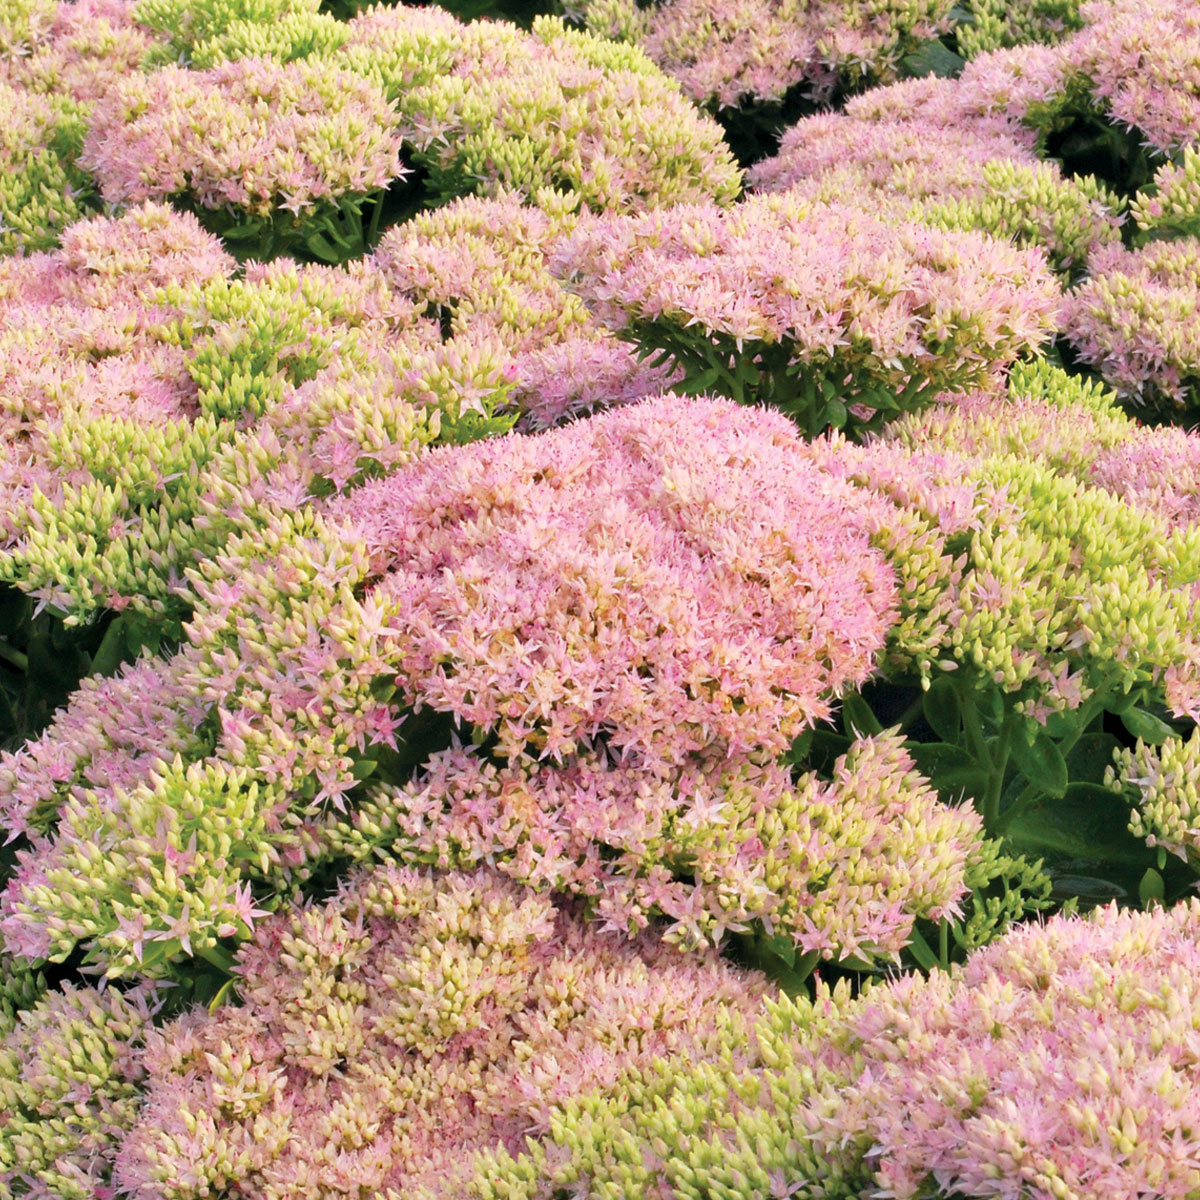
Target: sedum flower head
<point x="85" y="49"/>
<point x="994" y="24"/>
<point x="1163" y="784"/>
<point x="560" y="110"/>
<point x="1057" y="1064"/>
<point x="1136" y="319"/>
<point x="391" y="1032"/>
<point x="252" y="138"/>
<point x="651" y="576"/>
<point x="298" y="33"/>
<point x="24" y="23"/>
<point x="1139" y="61"/>
<point x="41" y="188"/>
<point x="1171" y="204"/>
<point x="673" y="580"/>
<point x="582" y="375"/>
<point x="136" y="876"/>
<point x="730" y="52"/>
<point x="812" y="307"/>
<point x="149" y="430"/>
<point x="479" y="266"/>
<point x="70" y="1082"/>
<point x="187" y="23"/>
<point x="951" y="177"/>
<point x="1056" y="589"/>
<point x="834" y="868"/>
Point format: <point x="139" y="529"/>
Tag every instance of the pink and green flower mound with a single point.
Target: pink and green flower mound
<point x="388" y="1035"/>
<point x="1060" y="1063"/>
<point x="830" y="314"/>
<point x="660" y="579"/>
<point x="950" y="177"/>
<point x="730" y="52"/>
<point x="1136" y="320"/>
<point x="280" y="155"/>
<point x="667" y="590"/>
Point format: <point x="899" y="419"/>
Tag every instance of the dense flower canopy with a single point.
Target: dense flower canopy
<point x="599" y="600"/>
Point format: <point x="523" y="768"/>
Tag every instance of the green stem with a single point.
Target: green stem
<point x="972" y="726"/>
<point x="111" y="649"/>
<point x="944" y="944"/>
<point x="996" y="772"/>
<point x="373" y="230"/>
<point x="11" y="654"/>
<point x="218" y="956"/>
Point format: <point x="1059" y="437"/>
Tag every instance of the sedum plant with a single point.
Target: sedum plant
<point x="823" y="311"/>
<point x="1047" y="602"/>
<point x="1170" y="205"/>
<point x="725" y="54"/>
<point x="82" y="51"/>
<point x="186" y="24"/>
<point x="995" y="24"/>
<point x="1136" y="320"/>
<point x="274" y="157"/>
<point x="480" y="266"/>
<point x="949" y="177"/>
<point x="386" y="1035"/>
<point x="70" y="1083"/>
<point x="1057" y="1061"/>
<point x="562" y="111"/>
<point x="330" y="670"/>
<point x="42" y="190"/>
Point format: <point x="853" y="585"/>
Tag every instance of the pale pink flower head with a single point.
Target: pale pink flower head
<point x="1058" y="1064"/>
<point x="84" y="50"/>
<point x="731" y="52"/>
<point x="389" y="1034"/>
<point x="667" y="577"/>
<point x="253" y="136"/>
<point x="486" y="107"/>
<point x="1136" y="319"/>
<point x="822" y="301"/>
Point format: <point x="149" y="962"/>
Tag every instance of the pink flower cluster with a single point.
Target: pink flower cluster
<point x="1133" y="64"/>
<point x="840" y="869"/>
<point x="252" y="136"/>
<point x="479" y="265"/>
<point x="665" y="592"/>
<point x="1066" y="594"/>
<point x="1137" y="321"/>
<point x="666" y="578"/>
<point x="869" y="304"/>
<point x="1060" y="1064"/>
<point x="82" y="49"/>
<point x="949" y="176"/>
<point x="70" y="1082"/>
<point x="387" y="1035"/>
<point x="562" y="111"/>
<point x="173" y="403"/>
<point x="726" y="52"/>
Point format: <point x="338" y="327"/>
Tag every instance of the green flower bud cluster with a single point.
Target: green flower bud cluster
<point x="562" y="110"/>
<point x="187" y="23"/>
<point x="1171" y="204"/>
<point x="295" y="33"/>
<point x="995" y="24"/>
<point x="69" y="1089"/>
<point x="41" y="190"/>
<point x="1163" y="784"/>
<point x="147" y="873"/>
<point x="1034" y="205"/>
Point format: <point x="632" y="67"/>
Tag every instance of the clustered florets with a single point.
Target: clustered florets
<point x="527" y="672"/>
